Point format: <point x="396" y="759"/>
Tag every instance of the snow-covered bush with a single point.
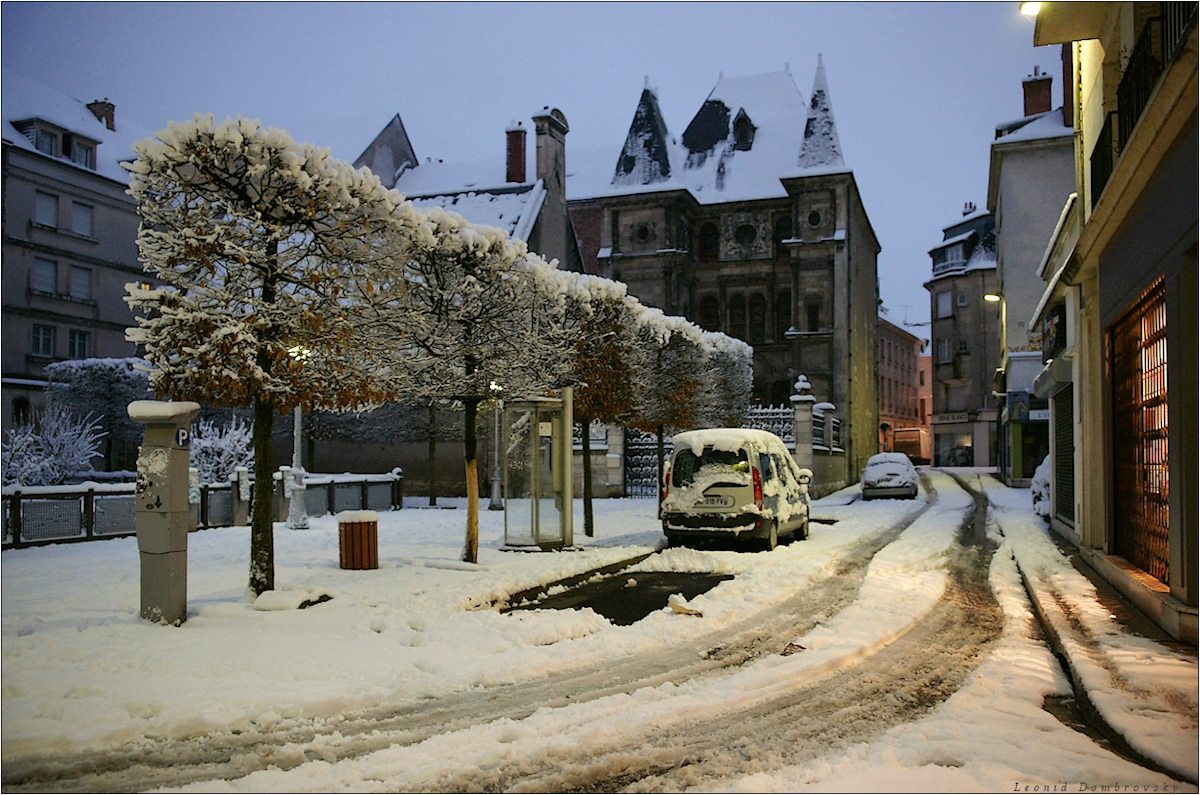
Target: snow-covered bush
<point x="218" y="450"/>
<point x="104" y="387"/>
<point x="51" y="449"/>
<point x="1040" y="488"/>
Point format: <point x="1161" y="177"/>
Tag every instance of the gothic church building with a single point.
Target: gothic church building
<point x="749" y="223"/>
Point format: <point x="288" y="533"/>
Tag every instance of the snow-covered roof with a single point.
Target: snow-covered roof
<point x="513" y="208"/>
<point x="821" y="148"/>
<point x="750" y="132"/>
<point x="26" y="99"/>
<point x="950" y="241"/>
<point x="477" y="190"/>
<point x="1033" y="128"/>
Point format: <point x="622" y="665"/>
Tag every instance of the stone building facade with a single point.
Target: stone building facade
<point x="69" y="236"/>
<point x="1118" y="309"/>
<point x="964" y="329"/>
<point x="750" y="223"/>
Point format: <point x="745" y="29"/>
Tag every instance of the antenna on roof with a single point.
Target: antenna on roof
<point x="646" y="84"/>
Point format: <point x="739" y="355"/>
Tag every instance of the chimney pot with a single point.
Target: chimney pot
<point x="968" y="208"/>
<point x="515" y="160"/>
<point x="105" y="111"/>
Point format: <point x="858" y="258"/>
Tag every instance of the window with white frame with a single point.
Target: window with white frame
<point x="42" y="341"/>
<point x="44" y="278"/>
<point x="45" y="209"/>
<point x="81" y="283"/>
<point x="83" y="219"/>
<point x="79" y="344"/>
<point x="945" y="350"/>
<point x="46" y="142"/>
<point x="945" y="303"/>
<point x="83" y="154"/>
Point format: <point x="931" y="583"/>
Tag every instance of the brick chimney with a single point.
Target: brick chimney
<point x="1037" y="92"/>
<point x="515" y="171"/>
<point x="105" y="111"/>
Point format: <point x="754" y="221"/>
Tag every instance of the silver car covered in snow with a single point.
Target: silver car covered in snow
<point x="736" y="484"/>
<point x="889" y="475"/>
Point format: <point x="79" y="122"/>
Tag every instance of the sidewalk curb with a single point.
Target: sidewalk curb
<point x="1064" y="640"/>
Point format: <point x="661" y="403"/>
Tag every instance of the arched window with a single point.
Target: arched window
<point x="20" y="410"/>
<point x="709" y="241"/>
<point x="710" y="313"/>
<point x="783" y="231"/>
<point x="812" y="312"/>
<point x="737" y="317"/>
<point x="783" y="314"/>
<point x="758" y="318"/>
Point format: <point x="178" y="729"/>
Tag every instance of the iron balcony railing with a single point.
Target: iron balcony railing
<point x="1159" y="44"/>
<point x="1103" y="156"/>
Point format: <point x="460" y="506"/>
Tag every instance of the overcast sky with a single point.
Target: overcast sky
<point x="917" y="88"/>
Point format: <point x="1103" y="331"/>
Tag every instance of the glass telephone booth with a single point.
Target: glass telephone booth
<point x="537" y="446"/>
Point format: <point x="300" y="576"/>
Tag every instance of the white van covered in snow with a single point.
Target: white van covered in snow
<point x="736" y="484"/>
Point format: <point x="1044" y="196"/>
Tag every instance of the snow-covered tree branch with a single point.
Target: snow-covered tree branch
<point x="265" y="250"/>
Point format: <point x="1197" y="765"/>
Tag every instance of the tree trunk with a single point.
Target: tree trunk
<point x="432" y="456"/>
<point x="586" y="439"/>
<point x="262" y="518"/>
<point x="471" y="546"/>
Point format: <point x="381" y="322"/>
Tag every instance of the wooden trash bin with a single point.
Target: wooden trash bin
<point x="358" y="539"/>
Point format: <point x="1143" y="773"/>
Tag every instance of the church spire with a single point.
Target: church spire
<point x="821" y="147"/>
<point x="645" y="158"/>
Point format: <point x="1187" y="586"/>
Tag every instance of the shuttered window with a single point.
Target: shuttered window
<point x="1064" y="455"/>
<point x="1138" y="362"/>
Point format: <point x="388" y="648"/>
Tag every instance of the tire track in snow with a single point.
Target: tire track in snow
<point x="169" y="762"/>
<point x="902" y="682"/>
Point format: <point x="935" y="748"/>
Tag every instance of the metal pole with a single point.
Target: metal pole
<point x="496" y="503"/>
<point x="297" y="511"/>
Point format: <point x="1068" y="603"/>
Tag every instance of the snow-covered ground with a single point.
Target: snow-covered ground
<point x="82" y="671"/>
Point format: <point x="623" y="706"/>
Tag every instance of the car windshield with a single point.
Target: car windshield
<point x="711" y="461"/>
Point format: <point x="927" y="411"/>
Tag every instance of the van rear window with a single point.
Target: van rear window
<point x="713" y="462"/>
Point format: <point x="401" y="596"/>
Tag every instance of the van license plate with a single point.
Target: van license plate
<point x="717" y="502"/>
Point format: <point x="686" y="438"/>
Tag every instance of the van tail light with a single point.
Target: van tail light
<point x="666" y="486"/>
<point x="758" y="488"/>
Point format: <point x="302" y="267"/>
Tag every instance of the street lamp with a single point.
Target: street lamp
<point x="297" y="511"/>
<point x="993" y="297"/>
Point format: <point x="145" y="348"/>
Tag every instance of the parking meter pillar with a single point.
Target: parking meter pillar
<point x="163" y="516"/>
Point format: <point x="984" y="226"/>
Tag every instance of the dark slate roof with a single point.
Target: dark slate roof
<point x="389" y="154"/>
<point x="821" y="148"/>
<point x="646" y="156"/>
<point x="709" y="160"/>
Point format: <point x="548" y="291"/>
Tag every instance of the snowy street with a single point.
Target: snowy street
<point x="894" y="650"/>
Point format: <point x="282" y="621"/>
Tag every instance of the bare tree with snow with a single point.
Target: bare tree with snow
<point x="264" y="248"/>
<point x="470" y="312"/>
<point x="600" y="317"/>
<point x="670" y="374"/>
<point x="728" y="380"/>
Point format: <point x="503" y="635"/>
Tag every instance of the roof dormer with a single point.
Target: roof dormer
<point x="55" y="141"/>
<point x="743" y="131"/>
